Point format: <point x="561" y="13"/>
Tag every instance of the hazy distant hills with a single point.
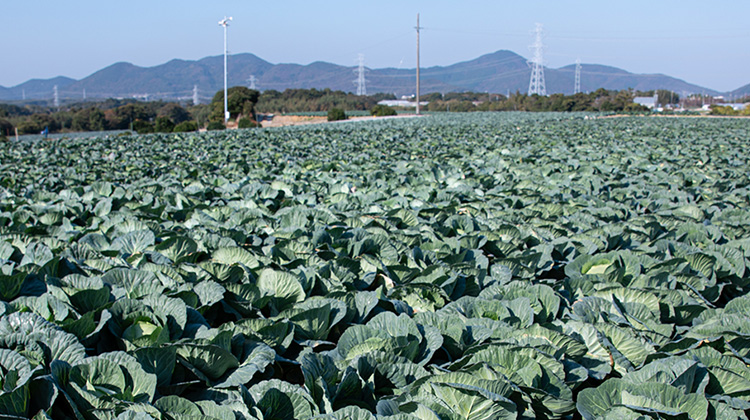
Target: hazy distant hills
<point x="743" y="91"/>
<point x="498" y="72"/>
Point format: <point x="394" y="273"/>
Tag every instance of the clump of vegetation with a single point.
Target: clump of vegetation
<point x="728" y="110"/>
<point x="164" y="125"/>
<point x="215" y="125"/>
<point x="143" y="127"/>
<point x="315" y="100"/>
<point x="240" y="103"/>
<point x="336" y="114"/>
<point x="382" y="111"/>
<point x="247" y="123"/>
<point x="186" y="127"/>
<point x="6" y="129"/>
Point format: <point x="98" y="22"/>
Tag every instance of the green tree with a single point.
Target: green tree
<point x="247" y="123"/>
<point x="47" y="120"/>
<point x="97" y="122"/>
<point x="458" y="106"/>
<point x="667" y="97"/>
<point x="240" y="101"/>
<point x="63" y="120"/>
<point x="122" y="117"/>
<point x="6" y="128"/>
<point x="336" y="114"/>
<point x="8" y="110"/>
<point x="174" y="112"/>
<point x="186" y="127"/>
<point x="143" y="127"/>
<point x="163" y="125"/>
<point x="89" y="119"/>
<point x="723" y="110"/>
<point x="314" y="100"/>
<point x="636" y="108"/>
<point x="382" y="111"/>
<point x="29" y="127"/>
<point x="623" y="99"/>
<point x="432" y="97"/>
<point x="215" y="125"/>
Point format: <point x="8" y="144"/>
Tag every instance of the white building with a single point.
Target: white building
<point x="649" y="102"/>
<point x="401" y="103"/>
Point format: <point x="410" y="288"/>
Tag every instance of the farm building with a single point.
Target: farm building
<point x="649" y="102"/>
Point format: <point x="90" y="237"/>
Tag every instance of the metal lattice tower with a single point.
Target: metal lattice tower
<point x="361" y="82"/>
<point x="252" y="80"/>
<point x="56" y="98"/>
<point x="536" y="84"/>
<point x="577" y="86"/>
<point x="196" y="100"/>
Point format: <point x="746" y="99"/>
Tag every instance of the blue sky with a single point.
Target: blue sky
<point x="702" y="42"/>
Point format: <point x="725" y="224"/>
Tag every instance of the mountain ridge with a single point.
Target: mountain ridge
<point x="502" y="72"/>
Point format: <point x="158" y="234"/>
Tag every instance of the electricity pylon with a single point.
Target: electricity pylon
<point x="536" y="84"/>
<point x="361" y="82"/>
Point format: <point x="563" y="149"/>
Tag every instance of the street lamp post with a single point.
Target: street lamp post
<point x="225" y="22"/>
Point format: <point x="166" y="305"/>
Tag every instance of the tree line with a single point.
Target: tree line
<point x="245" y="105"/>
<point x="146" y="117"/>
<point x="601" y="100"/>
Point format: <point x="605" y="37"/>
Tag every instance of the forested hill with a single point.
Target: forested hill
<point x="498" y="72"/>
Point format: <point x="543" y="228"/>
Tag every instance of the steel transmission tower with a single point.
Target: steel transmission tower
<point x="56" y="98"/>
<point x="577" y="86"/>
<point x="196" y="100"/>
<point x="225" y="22"/>
<point x="252" y="80"/>
<point x="536" y="84"/>
<point x="361" y="82"/>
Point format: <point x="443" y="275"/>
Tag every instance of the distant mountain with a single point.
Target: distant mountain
<point x="498" y="72"/>
<point x="36" y="89"/>
<point x="595" y="76"/>
<point x="741" y="92"/>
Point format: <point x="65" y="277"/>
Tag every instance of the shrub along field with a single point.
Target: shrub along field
<point x="483" y="266"/>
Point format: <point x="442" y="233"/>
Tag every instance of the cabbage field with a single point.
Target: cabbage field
<point x="482" y="266"/>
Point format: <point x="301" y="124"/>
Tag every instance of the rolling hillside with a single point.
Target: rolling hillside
<point x="498" y="72"/>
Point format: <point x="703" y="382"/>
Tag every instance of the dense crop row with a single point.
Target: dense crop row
<point x="462" y="267"/>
